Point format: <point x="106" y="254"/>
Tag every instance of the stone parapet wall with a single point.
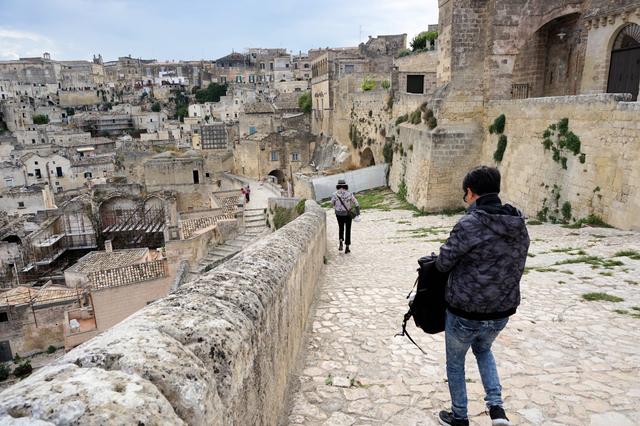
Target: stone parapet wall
<point x="607" y="184"/>
<point x="216" y="351"/>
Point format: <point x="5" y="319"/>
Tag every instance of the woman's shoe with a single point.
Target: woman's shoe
<point x="340" y="246"/>
<point x="347" y="249"/>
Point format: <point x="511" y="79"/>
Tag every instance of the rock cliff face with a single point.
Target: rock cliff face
<point x="216" y="351"/>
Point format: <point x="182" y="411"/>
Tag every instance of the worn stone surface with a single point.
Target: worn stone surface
<point x="562" y="360"/>
<point x="216" y="351"/>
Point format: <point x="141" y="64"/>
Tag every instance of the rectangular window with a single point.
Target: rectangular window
<point x="274" y="156"/>
<point x="415" y="84"/>
<point x="87" y="175"/>
<point x="59" y="171"/>
<point x="4" y="317"/>
<point x="196" y="177"/>
<point x="238" y="79"/>
<point x="295" y="156"/>
<point x="252" y="130"/>
<point x="348" y="69"/>
<point x="38" y="174"/>
<point x="21" y="204"/>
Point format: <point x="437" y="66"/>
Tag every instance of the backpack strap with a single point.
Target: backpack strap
<point x="404" y="332"/>
<point x="343" y="204"/>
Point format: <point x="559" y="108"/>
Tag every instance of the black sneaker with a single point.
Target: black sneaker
<point x="347" y="249"/>
<point x="446" y="418"/>
<point x="498" y="417"/>
<point x="340" y="246"/>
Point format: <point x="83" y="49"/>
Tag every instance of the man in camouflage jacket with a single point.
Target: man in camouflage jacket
<point x="485" y="254"/>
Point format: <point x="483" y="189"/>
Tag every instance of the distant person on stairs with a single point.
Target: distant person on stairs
<point x="485" y="254"/>
<point x="346" y="207"/>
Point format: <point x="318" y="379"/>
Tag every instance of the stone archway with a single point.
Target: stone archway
<point x="366" y="158"/>
<point x="550" y="62"/>
<point x="278" y="174"/>
<point x="624" y="69"/>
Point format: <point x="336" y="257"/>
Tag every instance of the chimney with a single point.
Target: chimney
<point x="108" y="247"/>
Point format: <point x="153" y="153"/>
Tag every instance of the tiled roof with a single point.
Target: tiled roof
<point x="258" y="108"/>
<point x="287" y="101"/>
<point x="102" y="260"/>
<point x="24" y="295"/>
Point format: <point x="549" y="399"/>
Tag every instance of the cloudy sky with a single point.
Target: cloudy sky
<point x="196" y="29"/>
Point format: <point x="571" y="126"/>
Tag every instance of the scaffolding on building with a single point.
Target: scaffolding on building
<point x="131" y="228"/>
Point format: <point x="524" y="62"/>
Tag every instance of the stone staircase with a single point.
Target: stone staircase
<point x="255" y="228"/>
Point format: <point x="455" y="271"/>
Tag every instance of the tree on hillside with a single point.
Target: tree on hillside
<point x="212" y="93"/>
<point x="304" y="102"/>
<point x="423" y="40"/>
<point x="155" y="107"/>
<point x="40" y="119"/>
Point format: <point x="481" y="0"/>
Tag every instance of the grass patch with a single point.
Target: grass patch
<point x="631" y="282"/>
<point x="631" y="254"/>
<point x="594" y="261"/>
<point x="424" y="232"/>
<point x="566" y="271"/>
<point x="621" y="311"/>
<point x="606" y="273"/>
<point x="326" y="204"/>
<point x="592" y="220"/>
<point x="564" y="249"/>
<point x="604" y="297"/>
<point x="531" y="255"/>
<point x="372" y="200"/>
<point x="545" y="269"/>
<point x="534" y="222"/>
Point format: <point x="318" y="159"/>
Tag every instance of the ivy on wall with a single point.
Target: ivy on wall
<point x="498" y="128"/>
<point x="558" y="139"/>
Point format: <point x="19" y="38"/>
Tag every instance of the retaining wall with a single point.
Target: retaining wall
<point x="216" y="351"/>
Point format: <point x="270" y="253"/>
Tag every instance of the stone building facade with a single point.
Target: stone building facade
<point x="493" y="56"/>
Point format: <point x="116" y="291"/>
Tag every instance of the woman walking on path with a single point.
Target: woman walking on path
<point x="346" y="207"/>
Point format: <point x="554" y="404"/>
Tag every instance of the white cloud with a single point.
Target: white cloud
<point x="15" y="44"/>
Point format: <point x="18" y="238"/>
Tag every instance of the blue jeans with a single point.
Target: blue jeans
<point x="460" y="335"/>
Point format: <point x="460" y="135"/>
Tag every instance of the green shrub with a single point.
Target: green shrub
<point x="415" y="117"/>
<point x="563" y="126"/>
<point x="502" y="146"/>
<point x="4" y="372"/>
<point x="499" y="123"/>
<point x="592" y="220"/>
<point x="566" y="211"/>
<point x="404" y="52"/>
<point x="282" y="216"/>
<point x="156" y="107"/>
<point x="300" y="206"/>
<point x="432" y="123"/>
<point x="420" y="41"/>
<point x="386" y="84"/>
<point x="40" y="119"/>
<point x="368" y="84"/>
<point x="492" y="129"/>
<point x="304" y="102"/>
<point x="387" y="152"/>
<point x="23" y="369"/>
<point x="402" y="191"/>
<point x="572" y="142"/>
<point x="402" y="119"/>
<point x="51" y="349"/>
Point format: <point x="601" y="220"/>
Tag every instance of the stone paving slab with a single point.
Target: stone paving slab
<point x="562" y="360"/>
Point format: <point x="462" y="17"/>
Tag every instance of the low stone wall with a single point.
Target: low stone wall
<point x="606" y="184"/>
<point x="216" y="351"/>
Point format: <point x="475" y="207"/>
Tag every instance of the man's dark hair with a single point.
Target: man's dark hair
<point x="482" y="180"/>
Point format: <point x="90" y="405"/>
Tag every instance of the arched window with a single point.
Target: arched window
<point x="624" y="71"/>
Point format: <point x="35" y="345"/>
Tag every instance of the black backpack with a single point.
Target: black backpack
<point x="428" y="306"/>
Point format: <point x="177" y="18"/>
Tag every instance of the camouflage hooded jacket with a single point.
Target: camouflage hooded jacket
<point x="486" y="253"/>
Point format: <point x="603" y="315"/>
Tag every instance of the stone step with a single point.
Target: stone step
<point x="224" y="249"/>
<point x="255" y="225"/>
<point x="252" y="219"/>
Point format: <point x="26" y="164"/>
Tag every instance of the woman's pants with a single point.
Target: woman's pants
<point x="344" y="222"/>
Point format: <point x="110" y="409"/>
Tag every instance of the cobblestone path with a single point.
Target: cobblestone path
<point x="562" y="360"/>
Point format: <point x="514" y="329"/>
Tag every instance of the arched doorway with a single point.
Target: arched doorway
<point x="550" y="63"/>
<point x="624" y="71"/>
<point x="278" y="174"/>
<point x="366" y="158"/>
